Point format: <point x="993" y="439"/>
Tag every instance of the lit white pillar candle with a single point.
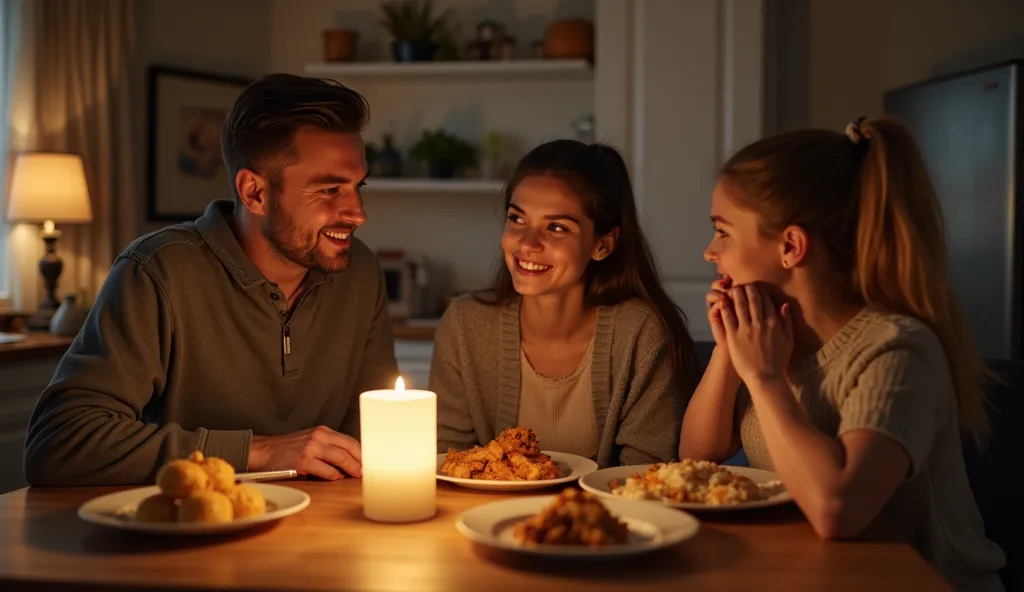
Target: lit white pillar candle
<point x="399" y="445"/>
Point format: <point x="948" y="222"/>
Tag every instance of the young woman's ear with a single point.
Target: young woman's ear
<point x="794" y="246"/>
<point x="605" y="245"/>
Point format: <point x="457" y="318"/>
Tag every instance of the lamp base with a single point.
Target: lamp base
<point x="50" y="267"/>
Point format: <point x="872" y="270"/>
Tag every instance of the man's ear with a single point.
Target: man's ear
<point x="252" y="189"/>
<point x="605" y="245"/>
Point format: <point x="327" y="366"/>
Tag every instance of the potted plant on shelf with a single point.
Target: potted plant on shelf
<point x="444" y="154"/>
<point x="446" y="39"/>
<point x="492" y="151"/>
<point x="414" y="29"/>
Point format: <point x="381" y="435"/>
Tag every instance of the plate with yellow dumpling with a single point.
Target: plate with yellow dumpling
<point x="197" y="495"/>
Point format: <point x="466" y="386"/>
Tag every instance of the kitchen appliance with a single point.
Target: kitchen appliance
<point x="410" y="284"/>
<point x="969" y="127"/>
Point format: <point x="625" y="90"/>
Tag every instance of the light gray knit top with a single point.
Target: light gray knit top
<point x="476" y="374"/>
<point x="888" y="373"/>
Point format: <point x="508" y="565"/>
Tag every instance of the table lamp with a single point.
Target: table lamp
<point x="49" y="188"/>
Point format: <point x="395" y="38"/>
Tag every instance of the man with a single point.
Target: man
<point x="247" y="334"/>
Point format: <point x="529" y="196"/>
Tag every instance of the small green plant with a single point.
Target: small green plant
<point x="372" y="154"/>
<point x="494" y="144"/>
<point x="447" y="41"/>
<point x="444" y="154"/>
<point x="492" y="148"/>
<point x="412" y="20"/>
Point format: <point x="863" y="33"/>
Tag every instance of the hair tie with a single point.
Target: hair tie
<point x="853" y="130"/>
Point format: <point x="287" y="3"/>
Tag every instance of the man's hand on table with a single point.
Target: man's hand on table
<point x="319" y="451"/>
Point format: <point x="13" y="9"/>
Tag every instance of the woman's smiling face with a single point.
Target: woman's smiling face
<point x="548" y="240"/>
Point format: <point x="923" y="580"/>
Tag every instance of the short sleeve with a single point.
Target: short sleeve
<point x="900" y="391"/>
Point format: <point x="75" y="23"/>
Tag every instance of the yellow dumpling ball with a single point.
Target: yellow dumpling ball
<point x="206" y="506"/>
<point x="180" y="478"/>
<point x="221" y="473"/>
<point x="247" y="501"/>
<point x="157" y="508"/>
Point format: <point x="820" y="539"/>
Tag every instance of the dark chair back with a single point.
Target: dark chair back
<point x="704" y="349"/>
<point x="991" y="470"/>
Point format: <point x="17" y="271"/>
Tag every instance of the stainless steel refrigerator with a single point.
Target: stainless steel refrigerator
<point x="970" y="130"/>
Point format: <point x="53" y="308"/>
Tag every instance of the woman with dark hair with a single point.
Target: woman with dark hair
<point x="576" y="339"/>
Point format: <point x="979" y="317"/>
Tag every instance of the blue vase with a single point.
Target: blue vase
<point x="414" y="50"/>
<point x="388" y="162"/>
<point x="440" y="169"/>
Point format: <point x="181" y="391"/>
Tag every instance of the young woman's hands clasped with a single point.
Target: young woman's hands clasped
<point x="757" y="331"/>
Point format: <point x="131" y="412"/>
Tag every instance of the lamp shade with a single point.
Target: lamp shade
<point x="49" y="186"/>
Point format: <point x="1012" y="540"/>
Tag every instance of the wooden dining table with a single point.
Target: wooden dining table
<point x="44" y="545"/>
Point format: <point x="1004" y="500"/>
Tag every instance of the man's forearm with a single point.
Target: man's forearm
<point x="81" y="444"/>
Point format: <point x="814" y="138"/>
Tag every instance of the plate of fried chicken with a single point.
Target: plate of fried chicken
<point x="512" y="461"/>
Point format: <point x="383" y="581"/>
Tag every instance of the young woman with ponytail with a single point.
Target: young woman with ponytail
<point x="576" y="339"/>
<point x="834" y="312"/>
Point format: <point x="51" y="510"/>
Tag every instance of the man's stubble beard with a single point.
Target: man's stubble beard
<point x="300" y="247"/>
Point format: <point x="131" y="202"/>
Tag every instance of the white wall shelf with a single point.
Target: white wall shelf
<point x="501" y="69"/>
<point x="451" y="186"/>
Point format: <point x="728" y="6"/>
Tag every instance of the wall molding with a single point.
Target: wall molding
<point x="679" y="87"/>
<point x="742" y="53"/>
<point x="613" y="77"/>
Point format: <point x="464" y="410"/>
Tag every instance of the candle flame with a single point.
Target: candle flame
<point x="399" y="384"/>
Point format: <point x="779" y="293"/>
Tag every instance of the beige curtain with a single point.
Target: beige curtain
<point x="80" y="90"/>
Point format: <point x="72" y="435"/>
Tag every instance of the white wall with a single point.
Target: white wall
<point x="460" y="233"/>
<point x="683" y="90"/>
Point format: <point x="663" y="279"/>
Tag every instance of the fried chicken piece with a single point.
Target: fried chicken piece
<point x="494" y="452"/>
<point x="574" y="518"/>
<point x="533" y="469"/>
<point x="498" y="471"/>
<point x="453" y="457"/>
<point x="461" y="464"/>
<point x="521" y="440"/>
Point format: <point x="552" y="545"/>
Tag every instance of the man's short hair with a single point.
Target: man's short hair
<point x="259" y="129"/>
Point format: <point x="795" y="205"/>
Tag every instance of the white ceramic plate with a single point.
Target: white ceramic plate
<point x="598" y="482"/>
<point x="651" y="527"/>
<point x="11" y="337"/>
<point x="571" y="467"/>
<point x="117" y="510"/>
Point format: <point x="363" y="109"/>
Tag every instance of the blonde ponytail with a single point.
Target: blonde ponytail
<point x="901" y="261"/>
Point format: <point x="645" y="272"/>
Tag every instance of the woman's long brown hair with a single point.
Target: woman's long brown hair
<point x="598" y="176"/>
<point x="866" y="195"/>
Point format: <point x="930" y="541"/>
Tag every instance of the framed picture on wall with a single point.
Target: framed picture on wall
<point x="186" y="111"/>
